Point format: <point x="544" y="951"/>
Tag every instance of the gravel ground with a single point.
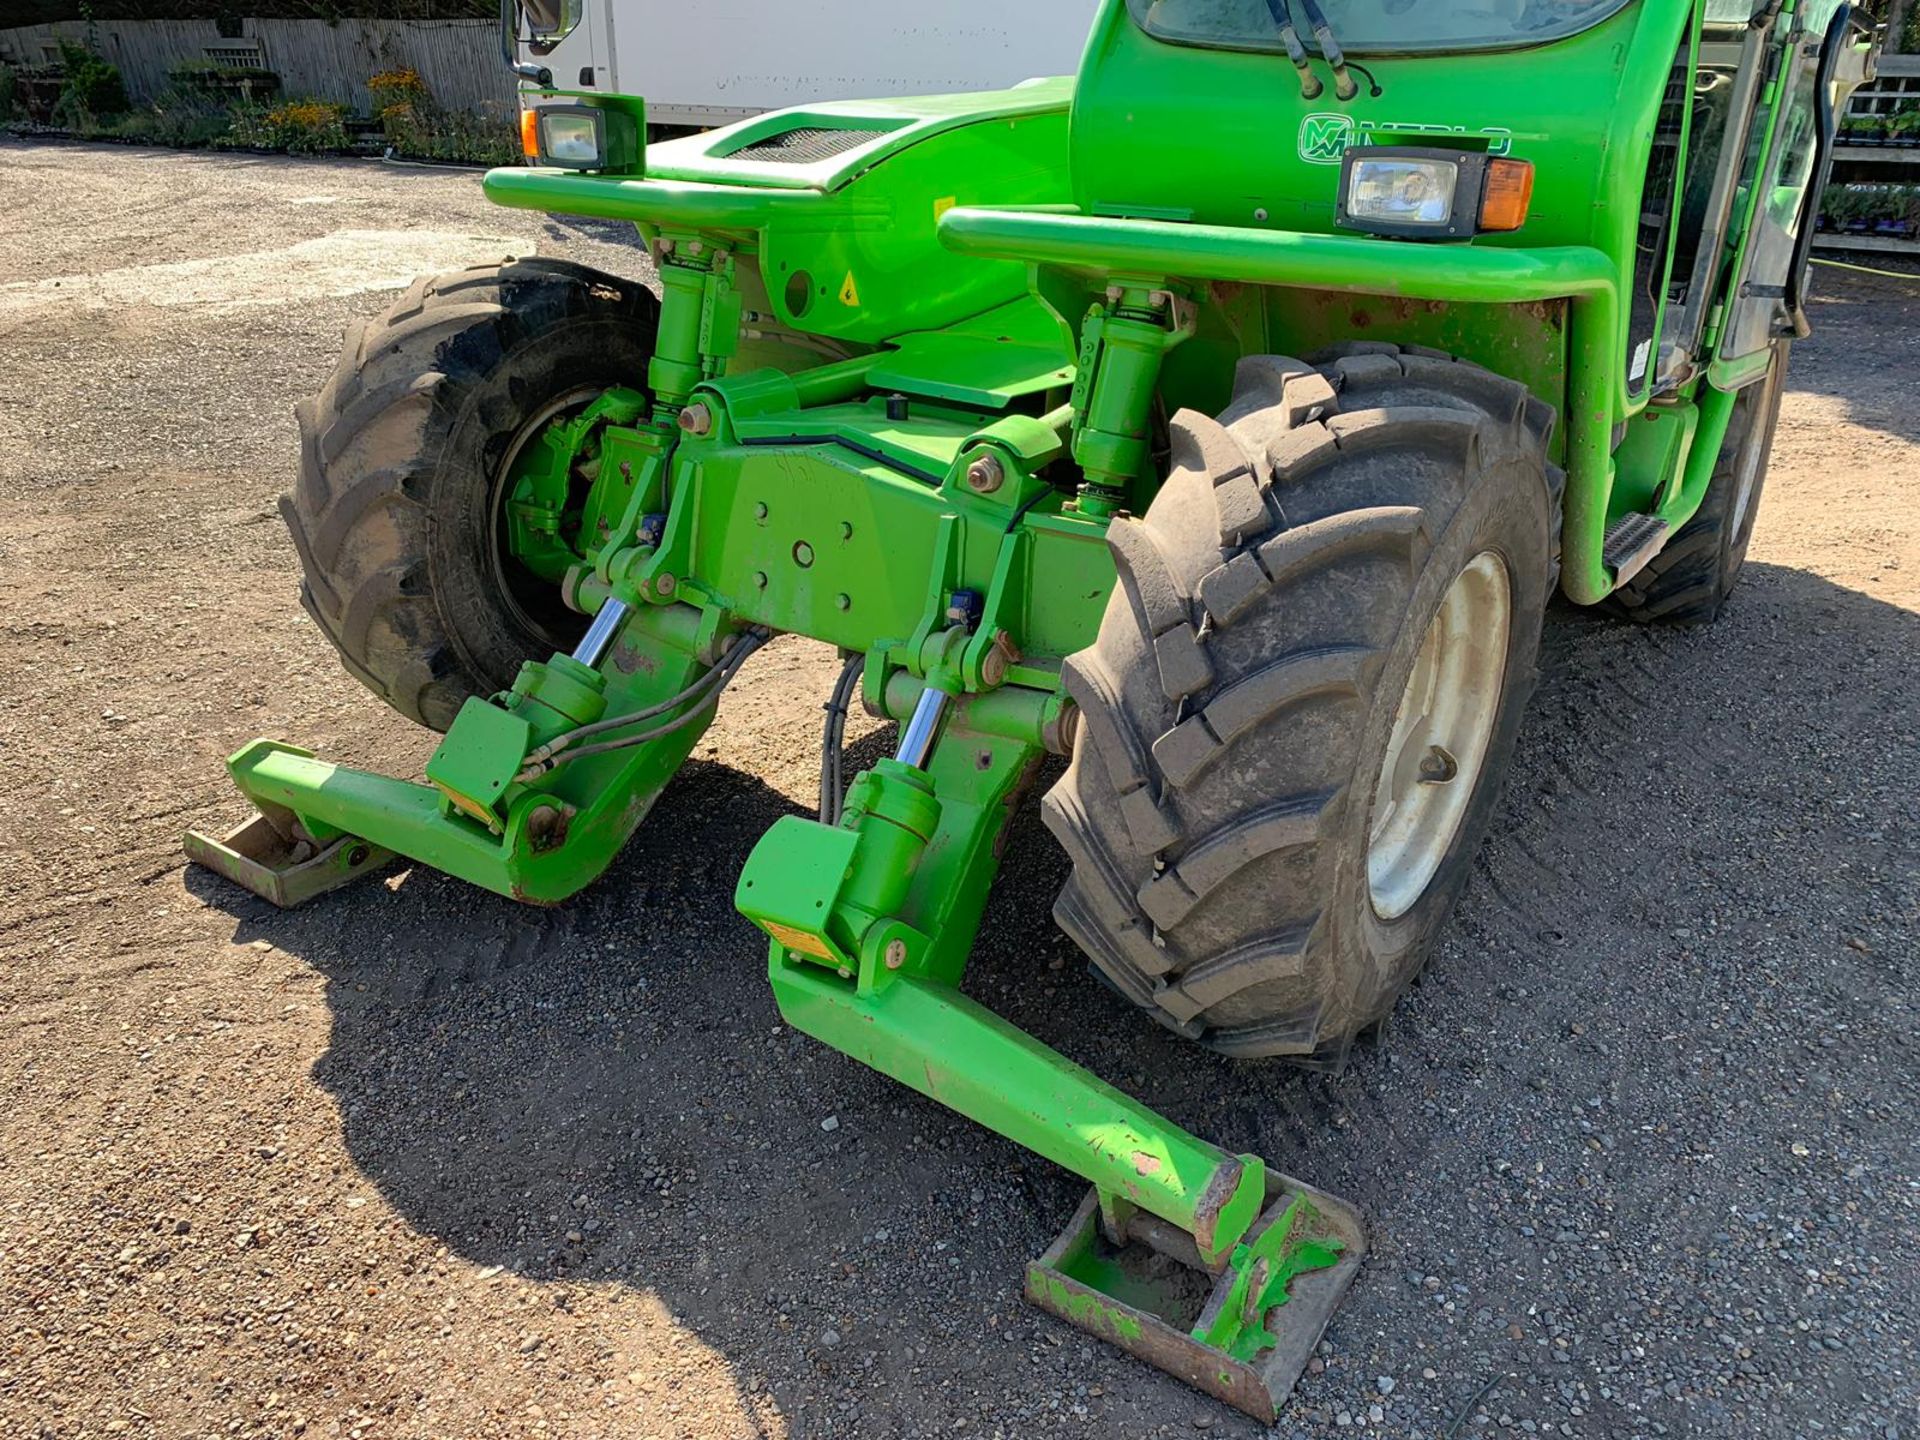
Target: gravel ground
<point x="1639" y="1154"/>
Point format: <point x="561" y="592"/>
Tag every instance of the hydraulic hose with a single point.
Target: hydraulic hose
<point x="1344" y="85"/>
<point x="1310" y="86"/>
<point x="833" y="741"/>
<point x="700" y="697"/>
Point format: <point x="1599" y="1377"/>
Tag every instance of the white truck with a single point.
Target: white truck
<point x="724" y="60"/>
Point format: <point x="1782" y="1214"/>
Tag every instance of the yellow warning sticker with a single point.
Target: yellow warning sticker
<point x="850" y="292"/>
<point x="944" y="204"/>
<point x="800" y="940"/>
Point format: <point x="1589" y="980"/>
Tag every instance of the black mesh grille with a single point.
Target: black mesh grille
<point x="802" y="146"/>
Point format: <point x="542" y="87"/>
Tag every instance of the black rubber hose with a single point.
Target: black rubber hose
<point x="715" y="681"/>
<point x="833" y="740"/>
<point x="1310" y="86"/>
<point x="741" y="648"/>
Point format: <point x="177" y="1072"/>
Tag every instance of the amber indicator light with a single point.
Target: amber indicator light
<point x="1508" y="193"/>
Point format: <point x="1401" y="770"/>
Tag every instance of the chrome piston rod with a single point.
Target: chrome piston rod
<point x="593" y="645"/>
<point x="923" y="727"/>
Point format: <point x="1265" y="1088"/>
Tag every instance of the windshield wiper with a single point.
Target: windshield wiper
<point x="1344" y="85"/>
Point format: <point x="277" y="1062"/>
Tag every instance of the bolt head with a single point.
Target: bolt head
<point x="666" y="584"/>
<point x="896" y="954"/>
<point x="985" y="475"/>
<point x="697" y="420"/>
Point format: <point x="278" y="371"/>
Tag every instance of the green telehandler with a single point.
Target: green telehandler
<point x="1222" y="419"/>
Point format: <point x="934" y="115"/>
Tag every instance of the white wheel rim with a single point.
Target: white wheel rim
<point x="1749" y="473"/>
<point x="1754" y="454"/>
<point x="1441" y="732"/>
<point x="496" y="494"/>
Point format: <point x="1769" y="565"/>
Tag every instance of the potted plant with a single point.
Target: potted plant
<point x="243" y="82"/>
<point x="1902" y="219"/>
<point x="1850" y="210"/>
<point x="1862" y="129"/>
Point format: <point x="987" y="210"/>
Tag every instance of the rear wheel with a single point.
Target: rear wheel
<point x="1689" y="581"/>
<point x="398" y="510"/>
<point x="1305" y="693"/>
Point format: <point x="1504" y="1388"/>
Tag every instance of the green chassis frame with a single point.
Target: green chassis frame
<point x="991" y="407"/>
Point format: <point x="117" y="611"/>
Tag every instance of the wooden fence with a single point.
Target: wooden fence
<point x="458" y="59"/>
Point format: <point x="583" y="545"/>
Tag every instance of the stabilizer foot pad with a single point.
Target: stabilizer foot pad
<point x="1147" y="1293"/>
<point x="257" y="856"/>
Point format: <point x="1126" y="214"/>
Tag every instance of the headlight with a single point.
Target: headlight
<point x="582" y="137"/>
<point x="1436" y="194"/>
<point x="571" y="138"/>
<point x="1402" y="192"/>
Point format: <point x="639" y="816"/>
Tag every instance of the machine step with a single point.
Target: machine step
<point x="1631" y="542"/>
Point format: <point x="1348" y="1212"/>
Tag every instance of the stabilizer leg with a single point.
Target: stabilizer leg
<point x="1206" y="1264"/>
<point x="514" y="804"/>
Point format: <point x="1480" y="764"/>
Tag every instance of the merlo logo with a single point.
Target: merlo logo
<point x="1324" y="138"/>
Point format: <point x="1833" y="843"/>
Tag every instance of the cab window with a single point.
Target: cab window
<point x="1373" y="26"/>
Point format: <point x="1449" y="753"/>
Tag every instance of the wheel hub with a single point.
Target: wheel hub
<point x="533" y="601"/>
<point x="1441" y="732"/>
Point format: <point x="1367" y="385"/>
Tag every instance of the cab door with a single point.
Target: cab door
<point x="1790" y="159"/>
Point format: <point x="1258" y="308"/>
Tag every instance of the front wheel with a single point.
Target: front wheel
<point x="1689" y="581"/>
<point x="404" y="457"/>
<point x="1305" y="693"/>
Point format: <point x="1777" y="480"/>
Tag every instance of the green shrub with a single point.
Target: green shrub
<point x="301" y="127"/>
<point x="424" y="131"/>
<point x="90" y="87"/>
<point x="404" y="87"/>
<point x="418" y="128"/>
<point x="8" y="88"/>
<point x="183" y="119"/>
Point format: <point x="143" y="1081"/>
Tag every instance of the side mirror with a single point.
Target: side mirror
<point x="551" y="21"/>
<point x="510" y="47"/>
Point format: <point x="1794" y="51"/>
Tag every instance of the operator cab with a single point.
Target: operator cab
<point x="1364" y="27"/>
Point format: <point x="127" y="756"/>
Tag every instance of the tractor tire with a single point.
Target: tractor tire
<point x="1244" y="694"/>
<point x="396" y="510"/>
<point x="1689" y="581"/>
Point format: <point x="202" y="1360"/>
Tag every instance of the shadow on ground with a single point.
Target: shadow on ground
<point x="1868" y="341"/>
<point x="603" y="1093"/>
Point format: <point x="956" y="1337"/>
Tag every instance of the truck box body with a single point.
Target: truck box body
<point x="721" y="62"/>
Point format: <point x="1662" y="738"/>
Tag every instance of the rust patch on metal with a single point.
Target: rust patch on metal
<point x="631" y="659"/>
<point x="1206" y="1214"/>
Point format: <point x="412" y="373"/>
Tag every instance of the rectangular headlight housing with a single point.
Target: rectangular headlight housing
<point x="585" y="137"/>
<point x="1419" y="193"/>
